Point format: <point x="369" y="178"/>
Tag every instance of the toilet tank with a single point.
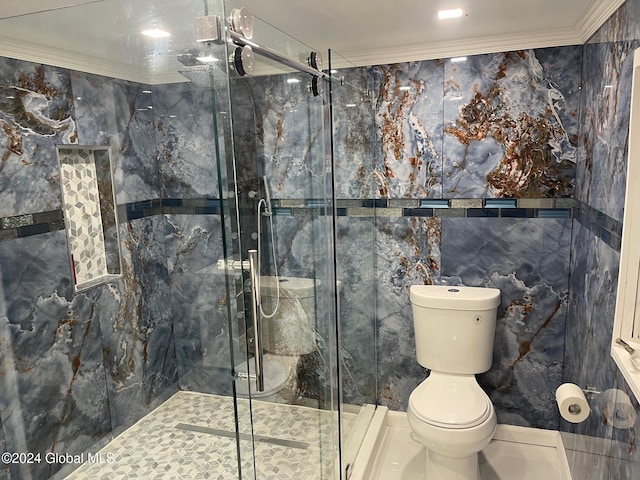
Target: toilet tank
<point x="292" y="330"/>
<point x="454" y="327"/>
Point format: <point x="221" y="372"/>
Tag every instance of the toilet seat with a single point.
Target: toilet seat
<point x="450" y="401"/>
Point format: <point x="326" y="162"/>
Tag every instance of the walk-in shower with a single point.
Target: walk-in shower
<point x="220" y="346"/>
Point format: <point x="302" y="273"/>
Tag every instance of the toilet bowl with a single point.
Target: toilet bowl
<point x="454" y="419"/>
<point x="449" y="413"/>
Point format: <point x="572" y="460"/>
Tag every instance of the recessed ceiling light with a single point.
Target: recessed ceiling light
<point x="293" y="80"/>
<point x="156" y="33"/>
<point x="207" y="59"/>
<point x="459" y="59"/>
<point x="453" y="13"/>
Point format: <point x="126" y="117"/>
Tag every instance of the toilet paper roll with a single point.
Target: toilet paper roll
<point x="618" y="409"/>
<point x="572" y="403"/>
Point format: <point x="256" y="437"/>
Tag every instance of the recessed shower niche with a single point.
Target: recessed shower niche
<point x="88" y="204"/>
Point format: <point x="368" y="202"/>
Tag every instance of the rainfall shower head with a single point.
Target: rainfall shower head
<point x="197" y="67"/>
<point x="199" y="75"/>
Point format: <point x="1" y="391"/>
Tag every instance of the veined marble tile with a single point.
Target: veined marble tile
<point x="622" y="26"/>
<point x="119" y="114"/>
<point x="603" y="143"/>
<point x="184" y="130"/>
<point x="354" y="135"/>
<point x="409" y="104"/>
<point x="356" y="272"/>
<point x="407" y="253"/>
<point x="53" y="395"/>
<point x="600" y="179"/>
<point x="36" y="113"/>
<point x="278" y="132"/>
<point x="528" y="261"/>
<point x="199" y="298"/>
<point x="594" y="283"/>
<point x="137" y="337"/>
<point x="594" y="272"/>
<point x="503" y="133"/>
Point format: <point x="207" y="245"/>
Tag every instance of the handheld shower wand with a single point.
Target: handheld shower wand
<point x="267" y="198"/>
<point x="268" y="212"/>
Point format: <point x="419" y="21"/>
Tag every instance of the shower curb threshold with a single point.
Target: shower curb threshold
<point x="363" y="465"/>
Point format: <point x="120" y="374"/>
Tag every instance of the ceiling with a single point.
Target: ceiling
<point x="102" y="36"/>
<point x="370" y="32"/>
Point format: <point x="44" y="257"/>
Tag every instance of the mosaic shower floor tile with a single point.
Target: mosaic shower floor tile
<point x="191" y="436"/>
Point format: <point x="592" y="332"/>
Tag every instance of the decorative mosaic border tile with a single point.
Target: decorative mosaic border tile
<point x="186" y="206"/>
<point x="606" y="228"/>
<point x="603" y="226"/>
<point x="445" y="208"/>
<point x="31" y="224"/>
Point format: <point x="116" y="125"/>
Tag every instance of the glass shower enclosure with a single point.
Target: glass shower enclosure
<point x="280" y="250"/>
<point x="218" y="345"/>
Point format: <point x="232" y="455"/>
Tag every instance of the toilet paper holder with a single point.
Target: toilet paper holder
<point x="591" y="392"/>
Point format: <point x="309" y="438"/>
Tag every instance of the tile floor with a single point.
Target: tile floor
<point x="399" y="457"/>
<point x="191" y="436"/>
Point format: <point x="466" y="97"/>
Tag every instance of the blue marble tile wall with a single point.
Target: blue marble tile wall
<point x="138" y="338"/>
<point x="496" y="126"/>
<point x="185" y="136"/>
<point x="596" y="449"/>
<point x="198" y="298"/>
<point x="354" y="144"/>
<point x="77" y="368"/>
<point x="54" y="393"/>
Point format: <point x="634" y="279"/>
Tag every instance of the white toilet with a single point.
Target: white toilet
<point x="448" y="412"/>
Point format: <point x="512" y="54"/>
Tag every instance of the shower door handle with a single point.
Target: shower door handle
<point x="254" y="273"/>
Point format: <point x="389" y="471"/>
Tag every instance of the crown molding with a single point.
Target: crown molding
<point x="595" y="16"/>
<point x="469" y="46"/>
<point x="37" y="53"/>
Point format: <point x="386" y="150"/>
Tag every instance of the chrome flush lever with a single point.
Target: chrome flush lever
<point x="630" y="350"/>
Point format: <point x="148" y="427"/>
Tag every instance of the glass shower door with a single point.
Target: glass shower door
<point x="280" y="256"/>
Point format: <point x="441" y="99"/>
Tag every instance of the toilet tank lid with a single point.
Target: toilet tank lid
<point x="449" y="297"/>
